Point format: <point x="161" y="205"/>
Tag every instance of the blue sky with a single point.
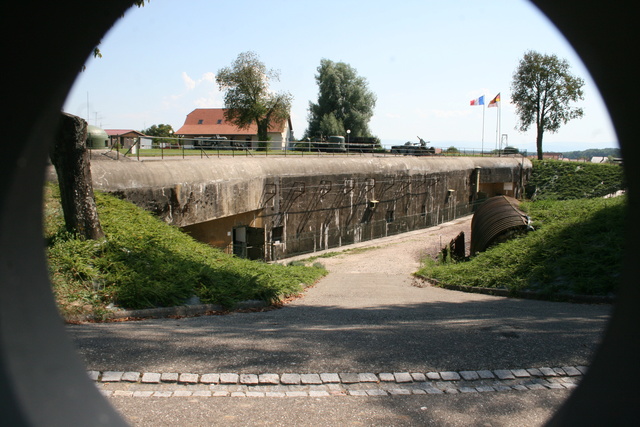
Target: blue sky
<point x="424" y="59"/>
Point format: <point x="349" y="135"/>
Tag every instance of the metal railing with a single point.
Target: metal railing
<point x="176" y="148"/>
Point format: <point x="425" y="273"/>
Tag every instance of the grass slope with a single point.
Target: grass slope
<point x="560" y="180"/>
<point x="144" y="263"/>
<point x="576" y="248"/>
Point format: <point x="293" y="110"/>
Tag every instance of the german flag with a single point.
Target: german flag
<point x="494" y="102"/>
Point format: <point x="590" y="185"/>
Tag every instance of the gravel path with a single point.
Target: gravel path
<point x="395" y="255"/>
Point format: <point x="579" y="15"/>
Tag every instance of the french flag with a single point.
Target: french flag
<point x="478" y="101"/>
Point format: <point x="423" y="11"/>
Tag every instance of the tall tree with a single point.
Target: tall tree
<point x="345" y="96"/>
<point x="70" y="158"/>
<point x="160" y="130"/>
<point x="248" y="98"/>
<point x="542" y="90"/>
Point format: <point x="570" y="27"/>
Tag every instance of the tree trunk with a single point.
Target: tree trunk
<point x="263" y="132"/>
<point x="70" y="158"/>
<point x="539" y="142"/>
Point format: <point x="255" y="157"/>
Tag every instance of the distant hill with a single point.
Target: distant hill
<point x="592" y="152"/>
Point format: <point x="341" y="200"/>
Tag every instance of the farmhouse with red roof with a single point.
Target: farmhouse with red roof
<point x="210" y="123"/>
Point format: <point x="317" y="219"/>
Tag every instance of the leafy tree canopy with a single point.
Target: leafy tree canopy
<point x="344" y="102"/>
<point x="542" y="90"/>
<point x="247" y="96"/>
<point x="330" y="125"/>
<point x="161" y="130"/>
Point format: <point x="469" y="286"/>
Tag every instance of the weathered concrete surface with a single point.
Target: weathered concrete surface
<point x="271" y="208"/>
<point x="191" y="191"/>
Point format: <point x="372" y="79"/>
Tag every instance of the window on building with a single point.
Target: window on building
<point x="276" y="234"/>
<point x="200" y="121"/>
<point x="219" y="121"/>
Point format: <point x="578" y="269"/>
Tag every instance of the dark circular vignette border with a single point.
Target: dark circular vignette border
<point x="45" y="43"/>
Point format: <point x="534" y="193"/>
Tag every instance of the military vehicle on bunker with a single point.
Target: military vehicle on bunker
<point x="414" y="148"/>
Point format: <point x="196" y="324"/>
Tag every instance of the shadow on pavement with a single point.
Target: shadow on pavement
<point x="496" y="333"/>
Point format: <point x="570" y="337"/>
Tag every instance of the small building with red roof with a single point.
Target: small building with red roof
<point x="211" y="123"/>
<point x="124" y="137"/>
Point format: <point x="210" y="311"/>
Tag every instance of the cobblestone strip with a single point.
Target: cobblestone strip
<point x="173" y="384"/>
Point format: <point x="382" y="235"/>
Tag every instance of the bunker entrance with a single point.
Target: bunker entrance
<point x="248" y="242"/>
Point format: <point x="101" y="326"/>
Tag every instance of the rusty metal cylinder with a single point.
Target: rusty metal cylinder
<point x="495" y="220"/>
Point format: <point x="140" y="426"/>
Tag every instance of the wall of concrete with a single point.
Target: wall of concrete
<point x="301" y="205"/>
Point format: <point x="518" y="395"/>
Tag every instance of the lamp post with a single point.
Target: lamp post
<point x="348" y="133"/>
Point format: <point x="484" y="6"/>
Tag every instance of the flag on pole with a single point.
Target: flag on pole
<point x="494" y="102"/>
<point x="478" y="101"/>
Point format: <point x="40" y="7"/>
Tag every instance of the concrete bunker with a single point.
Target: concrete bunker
<point x="96" y="137"/>
<point x="273" y="208"/>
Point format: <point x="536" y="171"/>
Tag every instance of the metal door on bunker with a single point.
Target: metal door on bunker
<point x="248" y="242"/>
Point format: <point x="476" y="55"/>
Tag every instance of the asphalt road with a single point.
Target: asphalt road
<point x="532" y="408"/>
<point x="432" y="329"/>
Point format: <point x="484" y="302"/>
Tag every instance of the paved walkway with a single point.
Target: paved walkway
<point x="366" y="331"/>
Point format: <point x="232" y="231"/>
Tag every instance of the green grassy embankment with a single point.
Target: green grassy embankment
<point x="577" y="245"/>
<point x="145" y="263"/>
<point x="560" y="180"/>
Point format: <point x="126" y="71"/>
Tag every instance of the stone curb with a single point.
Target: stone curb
<point x="332" y="378"/>
<point x="339" y="384"/>
<point x="399" y="391"/>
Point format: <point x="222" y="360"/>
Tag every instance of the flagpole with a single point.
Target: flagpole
<point x="496" y="102"/>
<point x="482" y="146"/>
<point x="480" y="101"/>
<point x="497" y="125"/>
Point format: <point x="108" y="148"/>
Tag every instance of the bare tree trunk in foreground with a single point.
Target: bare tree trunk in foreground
<point x="70" y="158"/>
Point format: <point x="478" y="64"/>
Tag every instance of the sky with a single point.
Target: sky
<point x="425" y="60"/>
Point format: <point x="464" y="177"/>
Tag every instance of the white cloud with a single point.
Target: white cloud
<point x="211" y="101"/>
<point x="208" y="77"/>
<point x="188" y="81"/>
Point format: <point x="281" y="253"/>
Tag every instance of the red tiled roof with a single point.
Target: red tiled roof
<point x="211" y="121"/>
<point x="113" y="132"/>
